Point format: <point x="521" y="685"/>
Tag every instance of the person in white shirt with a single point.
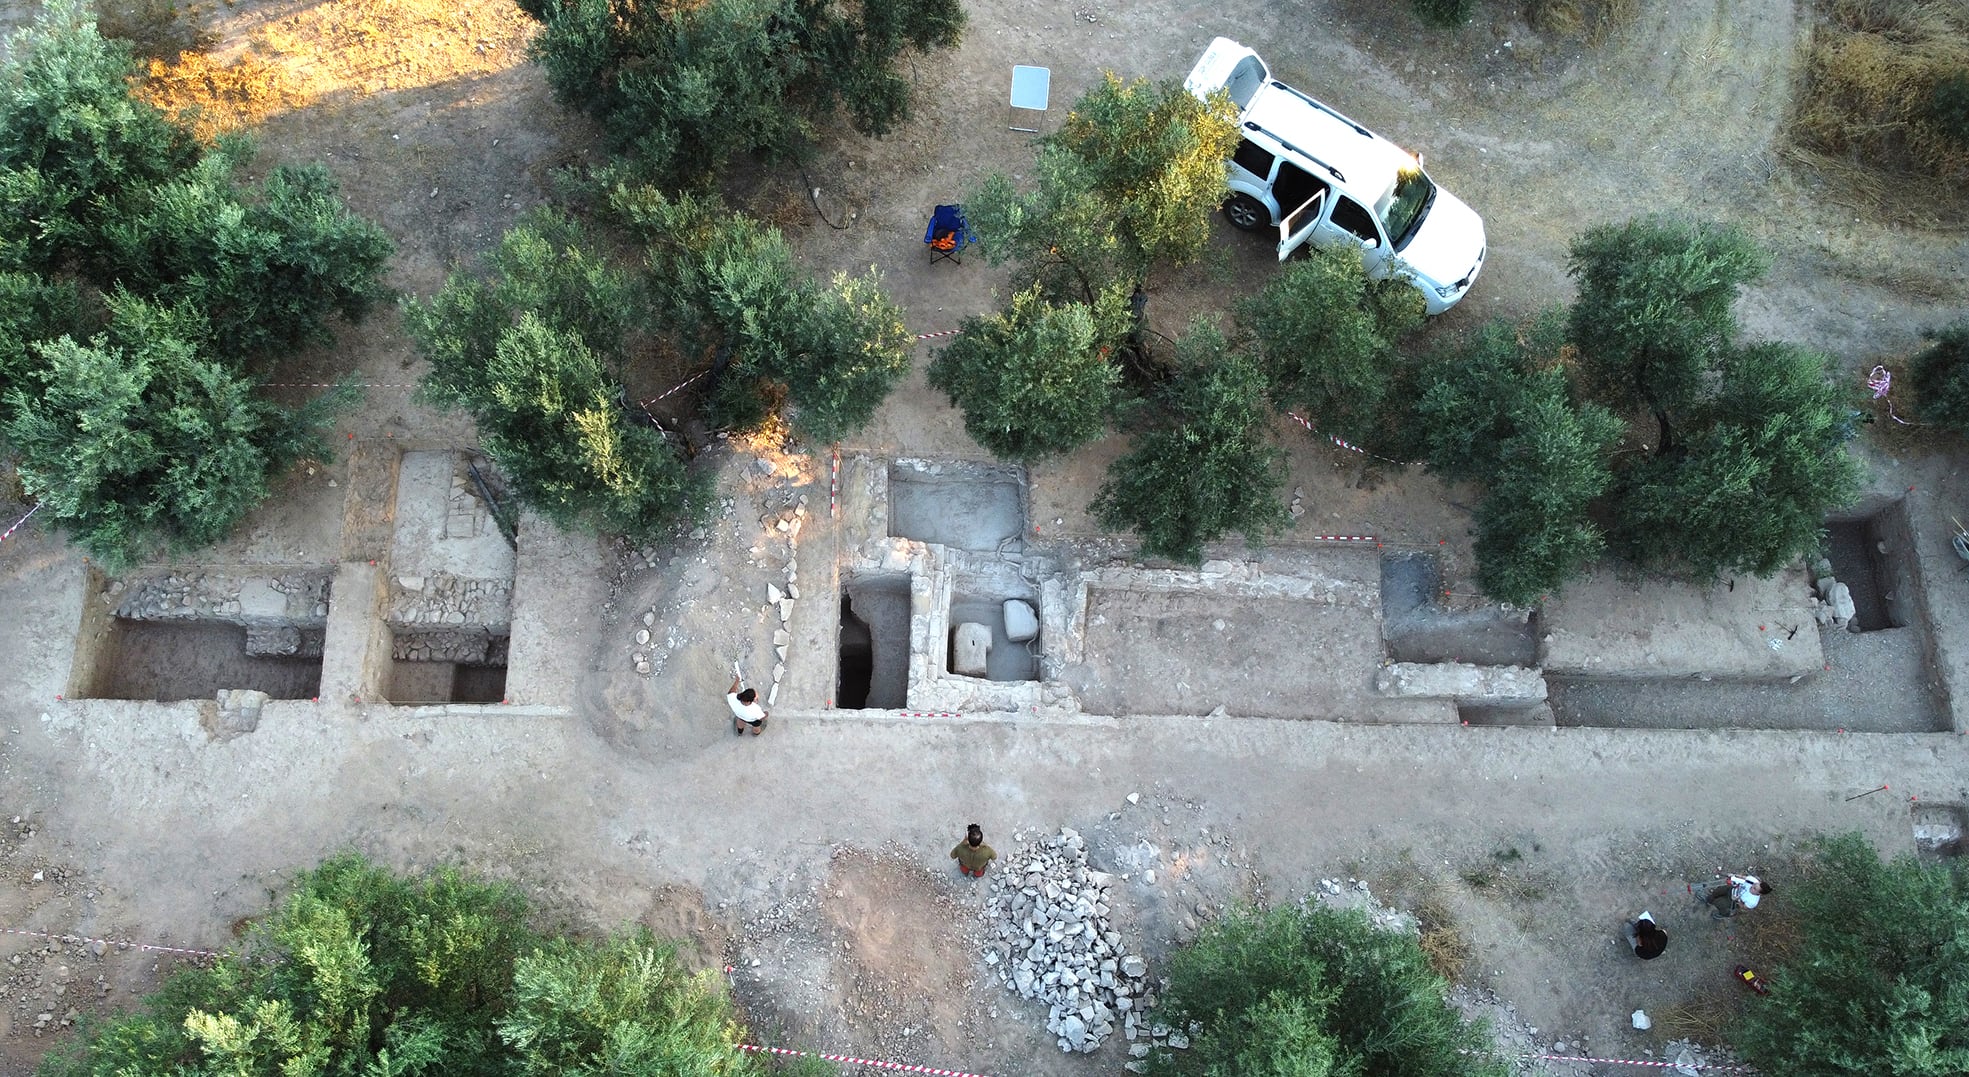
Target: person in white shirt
<point x="747" y="714"/>
<point x="1730" y="894"/>
<point x="1746" y="889"/>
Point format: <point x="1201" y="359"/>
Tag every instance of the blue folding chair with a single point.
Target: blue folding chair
<point x="947" y="235"/>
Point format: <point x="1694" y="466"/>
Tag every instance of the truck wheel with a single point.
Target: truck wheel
<point x="1246" y="213"/>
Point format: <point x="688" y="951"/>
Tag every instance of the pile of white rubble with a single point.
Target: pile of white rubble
<point x="1055" y="946"/>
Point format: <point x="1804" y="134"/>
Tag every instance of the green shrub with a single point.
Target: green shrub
<point x="1878" y="982"/>
<point x="1206" y="465"/>
<point x="362" y="971"/>
<point x="1036" y="380"/>
<point x="682" y="89"/>
<point x="1939" y="375"/>
<point x="1886" y="86"/>
<point x="1948" y="108"/>
<point x="136" y="441"/>
<point x="1327" y="336"/>
<point x="531" y="353"/>
<point x="1295" y="992"/>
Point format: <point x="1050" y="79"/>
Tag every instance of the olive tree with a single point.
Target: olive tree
<point x="682" y="89"/>
<point x="136" y="442"/>
<point x="1327" y="335"/>
<point x="1128" y="184"/>
<point x="1204" y="463"/>
<point x="727" y="287"/>
<point x="1878" y="982"/>
<point x="1304" y="991"/>
<point x="1748" y="455"/>
<point x="361" y="970"/>
<point x="1037" y="379"/>
<point x="531" y="353"/>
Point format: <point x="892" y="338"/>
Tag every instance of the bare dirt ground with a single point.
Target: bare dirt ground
<point x="812" y="858"/>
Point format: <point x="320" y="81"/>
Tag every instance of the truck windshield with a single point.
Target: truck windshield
<point x="1413" y="194"/>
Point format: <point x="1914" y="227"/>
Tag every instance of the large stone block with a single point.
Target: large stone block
<point x="1461" y="681"/>
<point x="1021" y="623"/>
<point x="970" y="649"/>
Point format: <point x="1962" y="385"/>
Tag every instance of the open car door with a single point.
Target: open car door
<point x="1298" y="226"/>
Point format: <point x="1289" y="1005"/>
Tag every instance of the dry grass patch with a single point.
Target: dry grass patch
<point x="1887" y="87"/>
<point x="1591" y="21"/>
<point x="213" y="98"/>
<point x="370" y="46"/>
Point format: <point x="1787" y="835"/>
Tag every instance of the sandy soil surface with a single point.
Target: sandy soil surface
<point x="811" y="859"/>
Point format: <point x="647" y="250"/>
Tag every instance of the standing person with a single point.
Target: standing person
<point x="972" y="854"/>
<point x="1646" y="937"/>
<point x="746" y="711"/>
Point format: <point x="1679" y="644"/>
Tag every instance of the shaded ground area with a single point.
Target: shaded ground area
<point x="1419" y="628"/>
<point x="969" y="508"/>
<point x="1878" y="682"/>
<point x="171" y="661"/>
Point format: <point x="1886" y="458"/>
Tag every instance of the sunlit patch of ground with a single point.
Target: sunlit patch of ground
<point x="291" y="57"/>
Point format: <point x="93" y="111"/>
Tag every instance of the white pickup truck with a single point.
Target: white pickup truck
<point x="1324" y="179"/>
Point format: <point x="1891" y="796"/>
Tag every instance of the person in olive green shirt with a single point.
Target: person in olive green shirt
<point x="972" y="854"/>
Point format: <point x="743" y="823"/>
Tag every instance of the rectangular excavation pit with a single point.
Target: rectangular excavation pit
<point x="1873" y="556"/>
<point x="874" y="642"/>
<point x="965" y="506"/>
<point x="1191" y="651"/>
<point x="1418" y="628"/>
<point x="1938" y="830"/>
<point x="1008" y="660"/>
<point x="465" y="664"/>
<point x="176" y="660"/>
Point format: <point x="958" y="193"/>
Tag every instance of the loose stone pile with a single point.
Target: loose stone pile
<point x="1832" y="601"/>
<point x="1055" y="945"/>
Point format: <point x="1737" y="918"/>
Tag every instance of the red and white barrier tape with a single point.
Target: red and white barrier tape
<point x="1348" y="445"/>
<point x="673" y="390"/>
<point x="834" y="485"/>
<point x="111" y="942"/>
<point x="1880" y="379"/>
<point x="17" y="523"/>
<point x="1705" y="1066"/>
<point x="899" y="1067"/>
<point x="1342" y="538"/>
<point x="336" y="384"/>
<point x="928" y="714"/>
<point x="938" y="333"/>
